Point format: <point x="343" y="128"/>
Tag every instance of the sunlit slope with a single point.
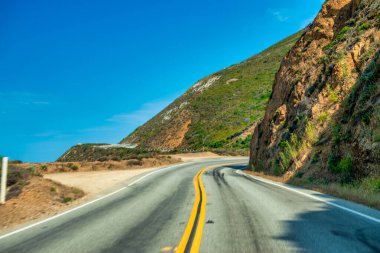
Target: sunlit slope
<point x="220" y="110"/>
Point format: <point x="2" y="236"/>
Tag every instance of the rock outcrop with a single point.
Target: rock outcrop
<point x="323" y="116"/>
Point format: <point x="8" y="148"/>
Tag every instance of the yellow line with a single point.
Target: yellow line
<point x="202" y="216"/>
<point x="186" y="235"/>
<point x="198" y="183"/>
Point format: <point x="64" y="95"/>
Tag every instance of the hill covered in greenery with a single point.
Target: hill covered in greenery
<point x="219" y="111"/>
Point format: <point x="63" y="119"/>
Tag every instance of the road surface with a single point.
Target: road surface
<point x="206" y="207"/>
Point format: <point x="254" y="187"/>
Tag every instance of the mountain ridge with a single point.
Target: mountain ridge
<point x="219" y="110"/>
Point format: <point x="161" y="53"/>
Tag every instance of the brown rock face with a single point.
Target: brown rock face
<point x="316" y="92"/>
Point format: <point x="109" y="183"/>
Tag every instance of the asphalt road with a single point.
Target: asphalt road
<point x="242" y="214"/>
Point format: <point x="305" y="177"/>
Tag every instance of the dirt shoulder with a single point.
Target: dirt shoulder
<point x="39" y="198"/>
<point x="355" y="193"/>
<point x="97" y="182"/>
<point x="42" y="190"/>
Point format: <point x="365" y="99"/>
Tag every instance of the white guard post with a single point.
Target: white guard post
<point x="4" y="172"/>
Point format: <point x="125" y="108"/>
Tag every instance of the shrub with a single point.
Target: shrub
<point x="330" y="45"/>
<point x="341" y="166"/>
<point x="242" y="143"/>
<point x="345" y="70"/>
<point x="347" y="135"/>
<point x="342" y="32"/>
<point x="14" y="191"/>
<point x="32" y="169"/>
<point x="285" y="159"/>
<point x="17" y="175"/>
<point x="290" y="151"/>
<point x="76" y="191"/>
<point x="217" y="144"/>
<point x="277" y="171"/>
<point x="336" y="134"/>
<point x="53" y="189"/>
<point x="376" y="135"/>
<point x="66" y="199"/>
<point x="44" y="168"/>
<point x="310" y="131"/>
<point x="332" y="163"/>
<point x="363" y="27"/>
<point x="345" y="165"/>
<point x="116" y="158"/>
<point x="375" y="184"/>
<point x="74" y="167"/>
<point x="338" y="38"/>
<point x="365" y="116"/>
<point x="323" y="117"/>
<point x="332" y="94"/>
<point x="103" y="159"/>
<point x="295" y="142"/>
<point x="134" y="163"/>
<point x="315" y="159"/>
<point x="299" y="174"/>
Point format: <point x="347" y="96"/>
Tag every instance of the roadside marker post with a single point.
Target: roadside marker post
<point x="4" y="172"/>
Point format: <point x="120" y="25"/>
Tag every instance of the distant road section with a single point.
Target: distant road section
<point x="131" y="146"/>
<point x="242" y="214"/>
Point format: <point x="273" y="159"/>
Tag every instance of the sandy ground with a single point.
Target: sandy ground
<point x="44" y="197"/>
<point x="97" y="182"/>
<point x="39" y="198"/>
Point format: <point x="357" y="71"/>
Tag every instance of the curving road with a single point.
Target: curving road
<point x="225" y="209"/>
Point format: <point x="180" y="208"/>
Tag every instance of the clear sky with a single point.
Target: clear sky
<point x="76" y="71"/>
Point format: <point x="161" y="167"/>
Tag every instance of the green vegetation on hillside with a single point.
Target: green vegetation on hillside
<point x="235" y="100"/>
<point x="93" y="152"/>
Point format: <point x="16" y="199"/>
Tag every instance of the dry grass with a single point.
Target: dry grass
<point x="55" y="167"/>
<point x="356" y="193"/>
<point x="39" y="198"/>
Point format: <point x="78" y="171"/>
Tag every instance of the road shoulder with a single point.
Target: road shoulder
<point x="355" y="209"/>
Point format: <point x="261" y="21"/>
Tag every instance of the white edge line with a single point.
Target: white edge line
<point x="313" y="197"/>
<point x="89" y="203"/>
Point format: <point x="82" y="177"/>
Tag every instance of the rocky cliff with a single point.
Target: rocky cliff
<point x="323" y="116"/>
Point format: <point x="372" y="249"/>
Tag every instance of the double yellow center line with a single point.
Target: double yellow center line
<point x="198" y="215"/>
<point x="192" y="237"/>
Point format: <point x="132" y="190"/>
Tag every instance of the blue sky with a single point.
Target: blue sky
<point x="92" y="71"/>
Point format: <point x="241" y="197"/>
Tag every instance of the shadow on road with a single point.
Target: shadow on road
<point x="325" y="230"/>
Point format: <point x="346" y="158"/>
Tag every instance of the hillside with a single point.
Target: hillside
<point x="220" y="110"/>
<point x="322" y="123"/>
